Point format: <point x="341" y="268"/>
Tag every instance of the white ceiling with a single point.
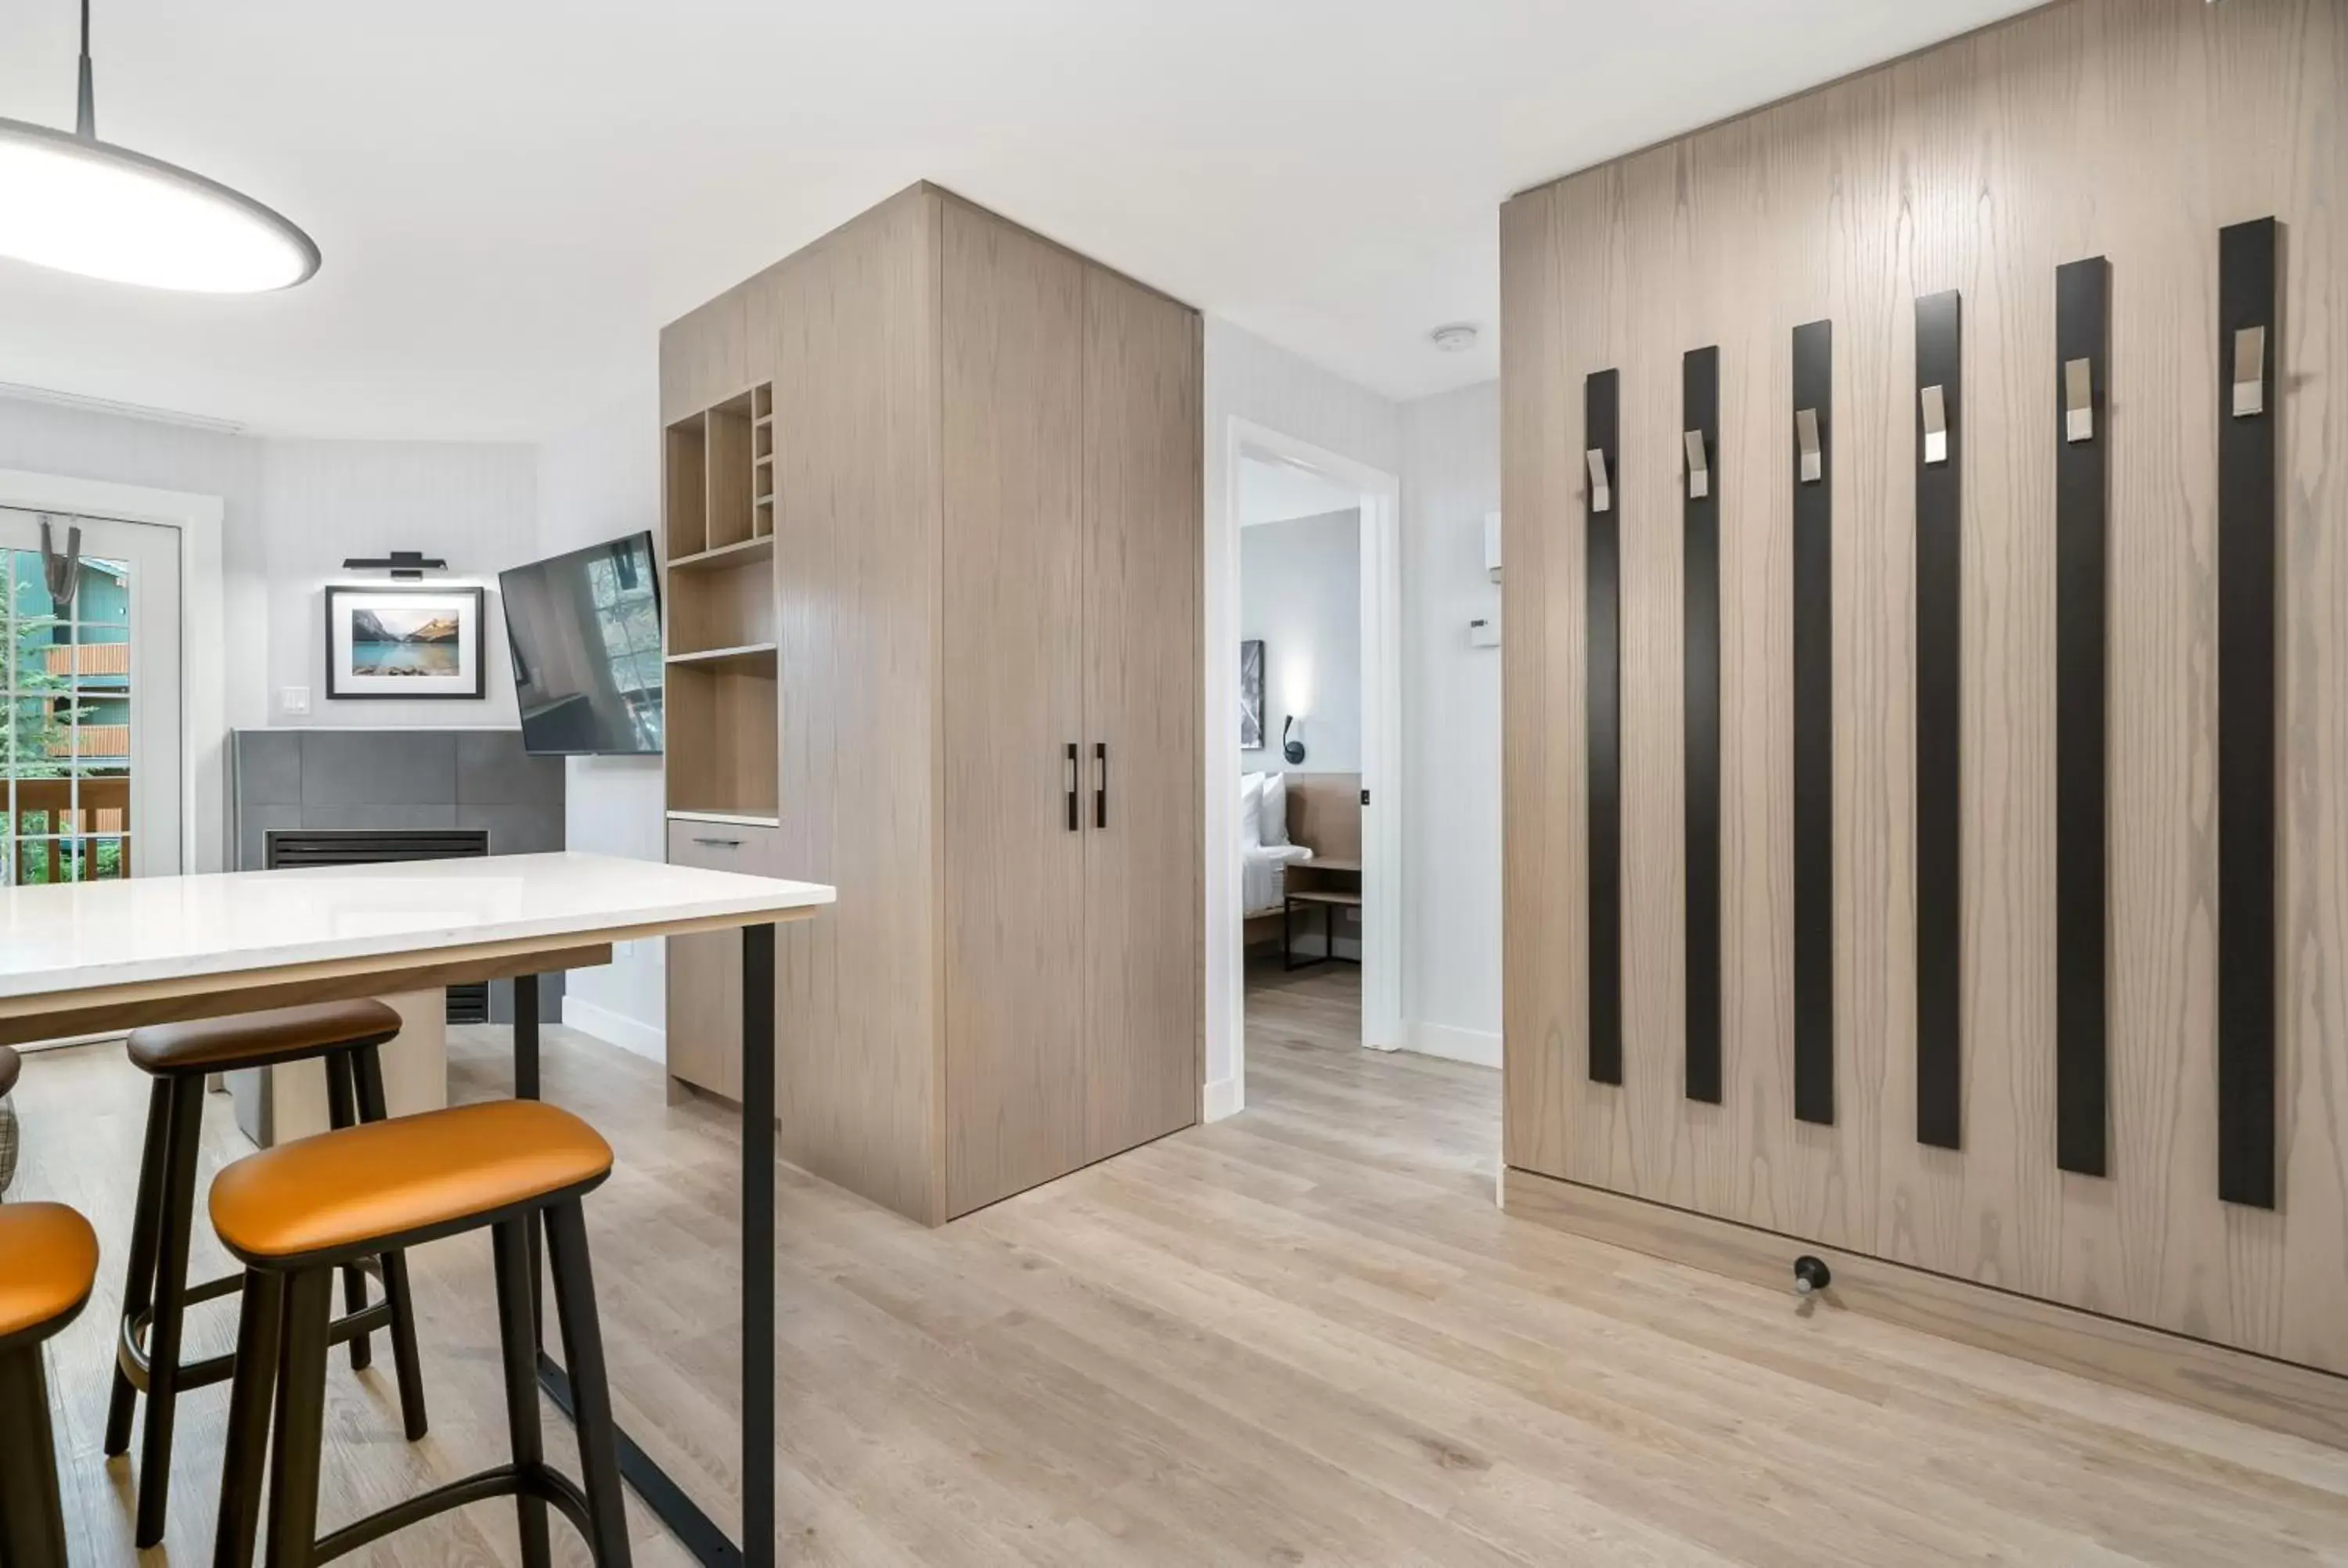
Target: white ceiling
<point x="1276" y="492"/>
<point x="512" y="197"/>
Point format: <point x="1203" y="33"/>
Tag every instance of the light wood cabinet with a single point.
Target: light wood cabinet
<point x="984" y="511"/>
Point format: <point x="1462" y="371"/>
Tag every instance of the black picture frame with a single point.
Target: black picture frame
<point x="344" y="684"/>
<point x="1252" y="694"/>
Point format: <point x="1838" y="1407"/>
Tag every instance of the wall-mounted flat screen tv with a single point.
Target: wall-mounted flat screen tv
<point x="585" y="631"/>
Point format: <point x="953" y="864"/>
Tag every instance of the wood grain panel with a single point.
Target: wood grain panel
<point x="1144" y="907"/>
<point x="857" y="544"/>
<point x="703" y="357"/>
<point x="2130" y="129"/>
<point x="1013" y="676"/>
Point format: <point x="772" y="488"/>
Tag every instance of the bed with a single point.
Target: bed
<point x="1320" y="817"/>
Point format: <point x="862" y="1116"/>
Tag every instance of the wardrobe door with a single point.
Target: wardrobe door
<point x="1143" y="810"/>
<point x="1014" y="708"/>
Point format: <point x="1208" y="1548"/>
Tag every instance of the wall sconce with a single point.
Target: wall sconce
<point x="404" y="566"/>
<point x="1291" y="739"/>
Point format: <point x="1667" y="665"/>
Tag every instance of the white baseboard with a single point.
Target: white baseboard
<point x="615" y="1029"/>
<point x="1470" y="1045"/>
<point x="1224" y="1099"/>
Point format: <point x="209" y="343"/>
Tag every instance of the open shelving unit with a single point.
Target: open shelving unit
<point x="723" y="756"/>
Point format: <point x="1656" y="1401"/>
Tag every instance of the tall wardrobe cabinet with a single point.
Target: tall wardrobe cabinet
<point x="985" y="579"/>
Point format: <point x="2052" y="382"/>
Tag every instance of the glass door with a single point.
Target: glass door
<point x="90" y="703"/>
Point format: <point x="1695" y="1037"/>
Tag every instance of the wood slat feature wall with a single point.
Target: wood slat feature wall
<point x="1940" y="722"/>
<point x="1602" y="620"/>
<point x="2246" y="719"/>
<point x="1812" y="472"/>
<point x="1700" y="683"/>
<point x="2133" y="130"/>
<point x="2082" y="307"/>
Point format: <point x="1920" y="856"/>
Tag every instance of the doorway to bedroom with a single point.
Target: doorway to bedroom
<point x="1303" y="709"/>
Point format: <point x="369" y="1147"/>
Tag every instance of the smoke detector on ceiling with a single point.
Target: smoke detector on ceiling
<point x="1457" y="338"/>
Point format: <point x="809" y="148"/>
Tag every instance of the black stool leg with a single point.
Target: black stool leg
<point x="341" y="1110"/>
<point x="509" y="1244"/>
<point x="591" y="1395"/>
<point x="301" y="1420"/>
<point x="138" y="1280"/>
<point x="247" y="1441"/>
<point x="32" y="1519"/>
<point x="178" y="1199"/>
<point x="405" y="1360"/>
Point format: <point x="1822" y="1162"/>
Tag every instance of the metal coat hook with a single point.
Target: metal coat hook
<point x="63" y="573"/>
<point x="1601" y="498"/>
<point x="2078" y="400"/>
<point x="1699" y="472"/>
<point x="1806" y="436"/>
<point x="1936" y="425"/>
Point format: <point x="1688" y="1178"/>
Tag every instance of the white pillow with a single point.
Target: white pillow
<point x="1273" y="816"/>
<point x="1250" y="810"/>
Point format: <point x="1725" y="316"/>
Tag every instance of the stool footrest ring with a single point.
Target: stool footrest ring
<point x="549" y="1485"/>
<point x="131" y="1349"/>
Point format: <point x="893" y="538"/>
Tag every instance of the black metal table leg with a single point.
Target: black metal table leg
<point x="526" y="1087"/>
<point x="669" y="1502"/>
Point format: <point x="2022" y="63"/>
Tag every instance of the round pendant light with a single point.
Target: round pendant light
<point x="73" y="203"/>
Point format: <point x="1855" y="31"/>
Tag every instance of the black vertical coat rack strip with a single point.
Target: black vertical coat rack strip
<point x="2082" y="336"/>
<point x="1700" y="691"/>
<point x="2247" y="341"/>
<point x="1602" y="624"/>
<point x="1814" y="916"/>
<point x="1940" y="719"/>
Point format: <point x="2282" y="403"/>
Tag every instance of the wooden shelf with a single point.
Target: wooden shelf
<point x="745" y="553"/>
<point x="756" y="657"/>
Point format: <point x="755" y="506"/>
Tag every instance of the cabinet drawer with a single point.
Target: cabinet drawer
<point x="726" y="846"/>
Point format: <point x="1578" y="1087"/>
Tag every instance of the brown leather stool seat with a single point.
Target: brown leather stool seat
<point x="295" y="1212"/>
<point x="179" y="1057"/>
<point x="407" y="1180"/>
<point x="48" y="1260"/>
<point x="261" y="1039"/>
<point x="10" y="1065"/>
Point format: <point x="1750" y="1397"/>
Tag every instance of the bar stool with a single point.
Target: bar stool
<point x="295" y="1214"/>
<point x="48" y="1258"/>
<point x="156" y="1294"/>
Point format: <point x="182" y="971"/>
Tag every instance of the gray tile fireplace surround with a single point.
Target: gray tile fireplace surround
<point x="397" y="779"/>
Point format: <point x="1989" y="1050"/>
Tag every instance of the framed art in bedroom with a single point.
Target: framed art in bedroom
<point x="1252" y="695"/>
<point x="404" y="642"/>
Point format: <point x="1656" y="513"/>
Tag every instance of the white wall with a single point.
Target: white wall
<point x="596" y="482"/>
<point x="1300" y="594"/>
<point x="470" y="504"/>
<point x="1451" y="707"/>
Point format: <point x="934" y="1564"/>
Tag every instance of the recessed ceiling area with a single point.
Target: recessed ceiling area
<point x="512" y="198"/>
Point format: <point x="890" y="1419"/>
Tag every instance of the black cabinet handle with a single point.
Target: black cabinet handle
<point x="719" y="843"/>
<point x="1100" y="788"/>
<point x="1075" y="823"/>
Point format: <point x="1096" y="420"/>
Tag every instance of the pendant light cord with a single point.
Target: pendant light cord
<point x="86" y="123"/>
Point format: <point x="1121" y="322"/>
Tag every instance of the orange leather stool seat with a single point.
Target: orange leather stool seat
<point x="360" y="1188"/>
<point x="259" y="1039"/>
<point x="48" y="1260"/>
<point x="10" y="1065"/>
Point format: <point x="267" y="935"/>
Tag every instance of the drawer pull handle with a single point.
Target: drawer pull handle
<point x="719" y="843"/>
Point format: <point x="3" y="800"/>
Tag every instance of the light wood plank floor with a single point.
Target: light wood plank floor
<point x="1304" y="1335"/>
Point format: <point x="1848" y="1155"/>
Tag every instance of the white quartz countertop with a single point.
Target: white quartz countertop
<point x="90" y="935"/>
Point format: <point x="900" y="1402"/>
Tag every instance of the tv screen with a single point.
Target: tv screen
<point x="585" y="632"/>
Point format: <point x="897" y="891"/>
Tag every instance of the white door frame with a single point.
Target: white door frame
<point x="203" y="725"/>
<point x="1382" y="774"/>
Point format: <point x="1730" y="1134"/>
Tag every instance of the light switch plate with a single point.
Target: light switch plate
<point x="294" y="699"/>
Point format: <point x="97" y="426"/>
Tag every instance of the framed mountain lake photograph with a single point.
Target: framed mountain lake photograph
<point x="404" y="642"/>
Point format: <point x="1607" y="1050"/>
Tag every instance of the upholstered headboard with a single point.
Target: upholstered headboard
<point x="1324" y="813"/>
